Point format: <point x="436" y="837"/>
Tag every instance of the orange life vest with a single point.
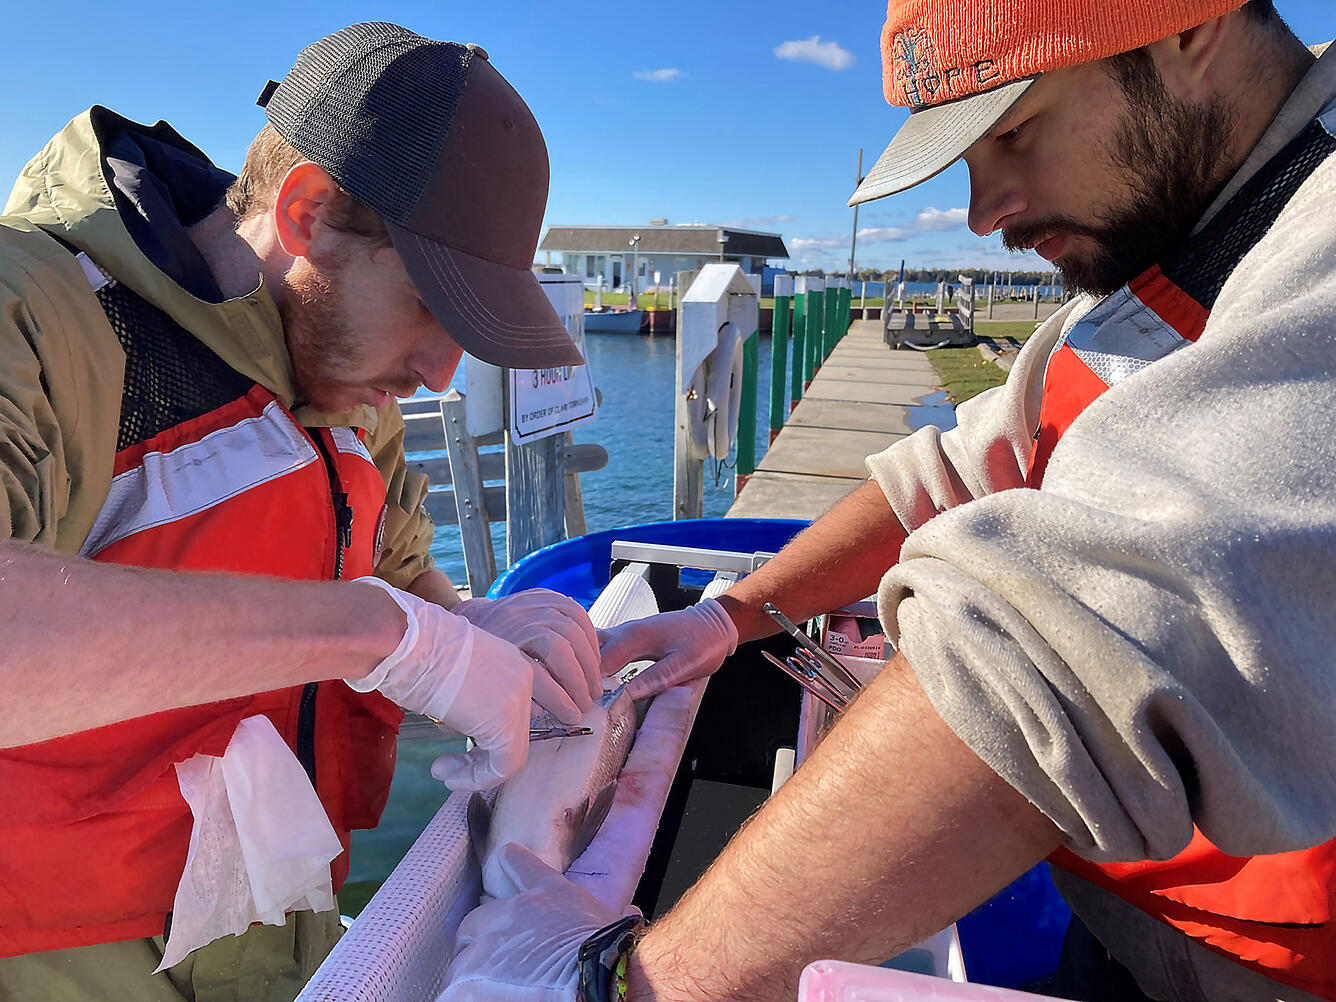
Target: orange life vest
<point x="1273" y="914"/>
<point x="211" y="474"/>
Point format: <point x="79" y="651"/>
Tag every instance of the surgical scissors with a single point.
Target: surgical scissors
<point x="816" y="684"/>
<point x="814" y="656"/>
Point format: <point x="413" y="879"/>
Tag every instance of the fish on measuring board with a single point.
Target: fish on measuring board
<point x="555" y="805"/>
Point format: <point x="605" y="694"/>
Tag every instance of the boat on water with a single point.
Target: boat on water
<point x="709" y="755"/>
<point x="613" y="321"/>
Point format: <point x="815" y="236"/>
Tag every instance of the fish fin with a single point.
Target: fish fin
<point x="480" y="826"/>
<point x="591" y="815"/>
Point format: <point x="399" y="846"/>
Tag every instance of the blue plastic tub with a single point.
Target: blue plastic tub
<point x="579" y="567"/>
<point x="1015" y="936"/>
<point x="1010" y="940"/>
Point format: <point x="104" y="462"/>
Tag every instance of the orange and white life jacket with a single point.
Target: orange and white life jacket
<point x="211" y="473"/>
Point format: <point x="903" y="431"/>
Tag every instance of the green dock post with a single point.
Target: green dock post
<point x="816" y="322"/>
<point x="751" y="357"/>
<point x="779" y="351"/>
<point x="829" y="337"/>
<point x="846" y="305"/>
<point x="799" y="339"/>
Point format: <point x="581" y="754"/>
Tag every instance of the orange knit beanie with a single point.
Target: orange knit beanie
<point x="938" y="50"/>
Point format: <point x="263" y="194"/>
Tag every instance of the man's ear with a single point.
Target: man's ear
<point x="304" y="196"/>
<point x="1185" y="60"/>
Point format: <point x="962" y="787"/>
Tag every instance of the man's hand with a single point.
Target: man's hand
<point x="522" y="948"/>
<point x="690" y="643"/>
<point x="556" y="632"/>
<point x="465" y="678"/>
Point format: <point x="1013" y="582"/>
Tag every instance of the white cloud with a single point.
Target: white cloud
<point x="804" y="244"/>
<point x="758" y="221"/>
<point x="940" y="219"/>
<point x="882" y="234"/>
<point x="813" y="50"/>
<point x="665" y="75"/>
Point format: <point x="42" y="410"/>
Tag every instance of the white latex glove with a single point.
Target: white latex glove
<point x="467" y="679"/>
<point x="522" y="948"/>
<point x="555" y="631"/>
<point x="690" y="643"/>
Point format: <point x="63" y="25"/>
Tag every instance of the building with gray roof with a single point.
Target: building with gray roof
<point x="609" y="251"/>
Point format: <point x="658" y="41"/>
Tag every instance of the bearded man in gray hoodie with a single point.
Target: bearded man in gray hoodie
<point x="1110" y="585"/>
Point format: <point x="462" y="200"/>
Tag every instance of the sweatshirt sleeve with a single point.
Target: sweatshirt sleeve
<point x="988" y="451"/>
<point x="406" y="551"/>
<point x="1147" y="641"/>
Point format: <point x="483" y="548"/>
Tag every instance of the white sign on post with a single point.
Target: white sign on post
<point x="544" y="402"/>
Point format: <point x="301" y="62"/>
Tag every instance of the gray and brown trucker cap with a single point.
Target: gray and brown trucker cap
<point x="433" y="138"/>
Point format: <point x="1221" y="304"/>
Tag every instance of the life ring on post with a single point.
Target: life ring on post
<point x="714" y="397"/>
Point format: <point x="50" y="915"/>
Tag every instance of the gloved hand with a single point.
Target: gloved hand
<point x="522" y="948"/>
<point x="689" y="643"/>
<point x="556" y="632"/>
<point x="465" y="678"/>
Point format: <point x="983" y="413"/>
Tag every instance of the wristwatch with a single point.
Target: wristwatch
<point x="599" y="957"/>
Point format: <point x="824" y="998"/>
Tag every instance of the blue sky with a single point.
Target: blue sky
<point x="728" y="111"/>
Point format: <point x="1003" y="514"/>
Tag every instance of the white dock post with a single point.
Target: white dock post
<point x="719" y="295"/>
<point x="1036" y="302"/>
<point x="598" y="293"/>
<point x="688" y="470"/>
<point x="990" y="301"/>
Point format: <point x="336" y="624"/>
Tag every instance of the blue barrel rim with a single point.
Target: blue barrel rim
<point x="504" y="584"/>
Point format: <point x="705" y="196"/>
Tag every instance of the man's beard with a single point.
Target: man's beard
<point x="1174" y="156"/>
<point x="320" y="343"/>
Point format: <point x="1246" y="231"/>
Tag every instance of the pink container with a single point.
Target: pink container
<point x="836" y="981"/>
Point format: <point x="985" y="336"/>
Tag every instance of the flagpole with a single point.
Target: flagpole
<point x="853" y="242"/>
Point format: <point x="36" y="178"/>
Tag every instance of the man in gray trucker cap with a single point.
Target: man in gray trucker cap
<point x="210" y="521"/>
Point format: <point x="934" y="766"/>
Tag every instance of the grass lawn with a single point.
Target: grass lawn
<point x="1019" y="329"/>
<point x="645" y="300"/>
<point x="964" y="373"/>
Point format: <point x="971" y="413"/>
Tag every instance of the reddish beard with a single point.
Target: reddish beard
<point x="321" y="345"/>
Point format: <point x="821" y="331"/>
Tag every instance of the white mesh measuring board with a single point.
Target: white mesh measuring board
<point x="398" y="948"/>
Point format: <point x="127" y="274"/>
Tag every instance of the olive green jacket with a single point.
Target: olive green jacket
<point x="62" y="367"/>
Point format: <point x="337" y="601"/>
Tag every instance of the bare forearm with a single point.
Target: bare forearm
<point x="891" y="831"/>
<point x="87" y="644"/>
<point x="839" y="559"/>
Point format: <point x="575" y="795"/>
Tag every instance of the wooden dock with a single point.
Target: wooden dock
<point x="864" y="397"/>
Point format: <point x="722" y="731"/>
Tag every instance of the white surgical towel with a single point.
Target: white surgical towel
<point x="261" y="844"/>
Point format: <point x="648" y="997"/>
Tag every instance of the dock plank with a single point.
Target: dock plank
<point x="869" y="390"/>
<point x="864" y="398"/>
<point x="851" y="415"/>
<point x="787" y="495"/>
<point x="874" y="373"/>
<point x="824" y="452"/>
